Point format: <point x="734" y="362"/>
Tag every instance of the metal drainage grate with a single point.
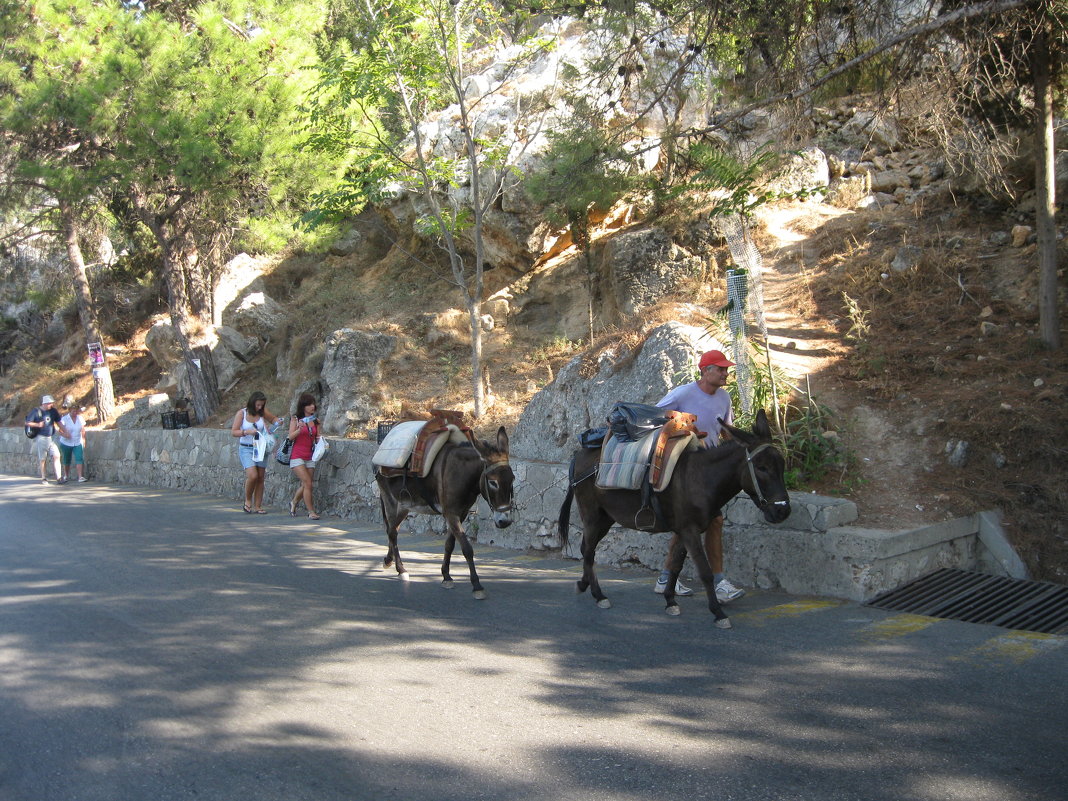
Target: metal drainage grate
<point x="979" y="598"/>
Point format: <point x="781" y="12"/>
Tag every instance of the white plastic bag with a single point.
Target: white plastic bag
<point x="321" y="447"/>
<point x="262" y="445"/>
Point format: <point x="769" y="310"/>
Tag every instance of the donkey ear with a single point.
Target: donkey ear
<point x="760" y="425"/>
<point x="739" y="434"/>
<point x="502" y="440"/>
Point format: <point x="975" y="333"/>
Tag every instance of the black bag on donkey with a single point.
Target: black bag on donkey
<point x="629" y="422"/>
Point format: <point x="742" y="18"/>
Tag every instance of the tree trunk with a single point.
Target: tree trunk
<point x="474" y="311"/>
<point x="105" y="390"/>
<point x="1045" y="190"/>
<point x="200" y="380"/>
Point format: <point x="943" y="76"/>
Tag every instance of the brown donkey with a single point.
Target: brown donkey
<point x="460" y="473"/>
<point x="703" y="481"/>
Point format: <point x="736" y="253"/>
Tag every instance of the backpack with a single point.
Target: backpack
<point x="31" y="431"/>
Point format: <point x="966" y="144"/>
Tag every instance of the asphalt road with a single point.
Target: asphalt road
<point x="157" y="645"/>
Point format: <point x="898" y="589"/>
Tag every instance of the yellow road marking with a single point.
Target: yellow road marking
<point x="1016" y="647"/>
<point x="792" y="609"/>
<point x="899" y="626"/>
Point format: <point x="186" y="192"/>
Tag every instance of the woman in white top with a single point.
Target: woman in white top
<point x="72" y="445"/>
<point x="250" y="424"/>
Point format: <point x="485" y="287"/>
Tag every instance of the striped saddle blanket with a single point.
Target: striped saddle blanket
<point x="628" y="465"/>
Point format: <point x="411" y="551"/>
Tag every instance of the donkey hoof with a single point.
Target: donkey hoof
<point x="480" y="595"/>
<point x="403" y="576"/>
<point x="675" y="610"/>
<point x="447" y="584"/>
<point x="604" y="603"/>
<point x="725" y="623"/>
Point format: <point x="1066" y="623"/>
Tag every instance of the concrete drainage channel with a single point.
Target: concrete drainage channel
<point x="972" y="597"/>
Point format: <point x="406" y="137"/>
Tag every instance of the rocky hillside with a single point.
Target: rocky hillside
<point x="902" y="308"/>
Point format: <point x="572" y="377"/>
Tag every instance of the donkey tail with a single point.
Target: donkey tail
<point x="564" y="521"/>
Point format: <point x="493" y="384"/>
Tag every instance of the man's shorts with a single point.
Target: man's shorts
<point x="71" y="452"/>
<point x="43" y="447"/>
<point x="247" y="455"/>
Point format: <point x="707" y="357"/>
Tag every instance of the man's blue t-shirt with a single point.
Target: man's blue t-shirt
<point x="50" y="418"/>
<point x="690" y="398"/>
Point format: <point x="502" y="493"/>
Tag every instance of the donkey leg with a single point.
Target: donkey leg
<point x="446" y="562"/>
<point x="676" y="559"/>
<point x="393" y="556"/>
<point x="594" y="533"/>
<point x="693" y="542"/>
<point x="456" y="534"/>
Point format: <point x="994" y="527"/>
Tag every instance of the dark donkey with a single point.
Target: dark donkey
<point x="703" y="481"/>
<point x="460" y="473"/>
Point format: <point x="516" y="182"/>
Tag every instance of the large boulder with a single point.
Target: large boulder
<point x="146" y="412"/>
<point x="352" y="369"/>
<point x="163" y="345"/>
<point x="807" y="170"/>
<point x="240" y="276"/>
<point x="550" y="424"/>
<point x="255" y="314"/>
<point x="641" y="267"/>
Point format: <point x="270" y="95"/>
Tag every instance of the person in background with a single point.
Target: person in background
<point x="72" y="443"/>
<point x="250" y="426"/>
<point x="706" y="398"/>
<point x="304" y="431"/>
<point x="46" y="420"/>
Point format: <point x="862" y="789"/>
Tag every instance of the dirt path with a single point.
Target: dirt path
<point x="885" y="478"/>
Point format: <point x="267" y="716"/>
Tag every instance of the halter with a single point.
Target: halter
<point x="761" y="500"/>
<point x="483" y="482"/>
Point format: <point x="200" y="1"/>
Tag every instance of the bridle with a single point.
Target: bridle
<point x="761" y="501"/>
<point x="483" y="482"/>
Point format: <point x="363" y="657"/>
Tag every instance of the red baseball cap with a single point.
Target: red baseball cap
<point x="715" y="357"/>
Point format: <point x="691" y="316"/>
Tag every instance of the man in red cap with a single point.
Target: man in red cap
<point x="707" y="399"/>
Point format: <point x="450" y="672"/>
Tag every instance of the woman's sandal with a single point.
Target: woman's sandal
<point x="313" y="516"/>
<point x="247" y="508"/>
<point x="292" y="508"/>
<point x="261" y="511"/>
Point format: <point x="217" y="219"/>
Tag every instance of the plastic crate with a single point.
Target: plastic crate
<point x="384" y="428"/>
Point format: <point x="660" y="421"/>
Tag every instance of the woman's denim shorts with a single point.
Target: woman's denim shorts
<point x="246" y="453"/>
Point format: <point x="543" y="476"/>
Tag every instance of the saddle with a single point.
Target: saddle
<point x="649" y="461"/>
<point x="410" y="447"/>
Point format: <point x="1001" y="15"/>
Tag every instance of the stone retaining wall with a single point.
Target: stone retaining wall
<point x="815" y="551"/>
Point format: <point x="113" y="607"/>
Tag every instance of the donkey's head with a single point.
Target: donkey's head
<point x="497" y="478"/>
<point x="763" y="472"/>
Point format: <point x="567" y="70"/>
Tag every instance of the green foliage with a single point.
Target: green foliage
<point x="803" y="425"/>
<point x="871" y="75"/>
<point x="735" y="186"/>
<point x="859" y="324"/>
<point x="554" y="348"/>
<point x="810" y="450"/>
<point x="581" y="170"/>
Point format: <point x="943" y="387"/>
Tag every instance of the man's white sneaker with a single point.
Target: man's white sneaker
<point x="680" y="588"/>
<point x="727" y="592"/>
<point x="82" y="479"/>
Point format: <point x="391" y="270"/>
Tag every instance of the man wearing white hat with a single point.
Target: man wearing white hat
<point x="45" y="420"/>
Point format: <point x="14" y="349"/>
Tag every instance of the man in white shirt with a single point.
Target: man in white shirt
<point x="707" y="399"/>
